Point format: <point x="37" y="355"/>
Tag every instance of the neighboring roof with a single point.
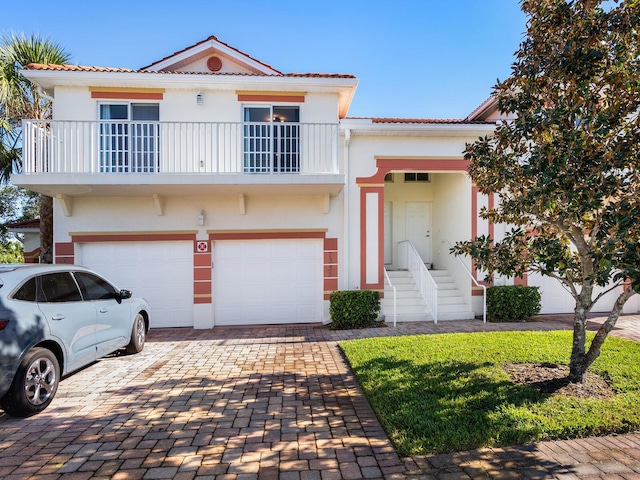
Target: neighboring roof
<point x="426" y="120"/>
<point x="486" y="108"/>
<point x="31" y="224"/>
<point x="211" y="39"/>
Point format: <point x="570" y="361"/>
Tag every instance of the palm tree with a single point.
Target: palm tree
<point x="9" y="151"/>
<point x="19" y="99"/>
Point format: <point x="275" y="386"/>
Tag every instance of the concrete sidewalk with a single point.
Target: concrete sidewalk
<point x="263" y="403"/>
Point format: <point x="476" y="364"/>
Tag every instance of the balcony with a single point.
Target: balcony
<point x="110" y="157"/>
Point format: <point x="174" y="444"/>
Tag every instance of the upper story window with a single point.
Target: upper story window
<point x="419" y="177"/>
<point x="272" y="139"/>
<point x="129" y="137"/>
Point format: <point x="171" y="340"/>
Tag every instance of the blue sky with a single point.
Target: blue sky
<point x="413" y="58"/>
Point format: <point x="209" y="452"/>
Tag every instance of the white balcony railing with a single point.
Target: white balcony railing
<point x="59" y="146"/>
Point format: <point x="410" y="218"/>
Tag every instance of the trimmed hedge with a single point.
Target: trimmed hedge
<point x="354" y="308"/>
<point x="512" y="303"/>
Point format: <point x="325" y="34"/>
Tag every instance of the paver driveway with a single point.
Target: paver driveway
<point x="258" y="403"/>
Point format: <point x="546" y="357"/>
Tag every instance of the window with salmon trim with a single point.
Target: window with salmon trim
<point x="272" y="139"/>
<point x="129" y="137"/>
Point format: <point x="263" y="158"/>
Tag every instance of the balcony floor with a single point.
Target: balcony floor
<point x="144" y="184"/>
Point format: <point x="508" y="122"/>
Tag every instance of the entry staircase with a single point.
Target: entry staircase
<point x="411" y="306"/>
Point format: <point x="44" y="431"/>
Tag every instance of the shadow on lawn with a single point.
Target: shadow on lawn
<point x="446" y="407"/>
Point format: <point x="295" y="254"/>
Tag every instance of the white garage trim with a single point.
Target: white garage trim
<point x="159" y="271"/>
<point x="268" y="281"/>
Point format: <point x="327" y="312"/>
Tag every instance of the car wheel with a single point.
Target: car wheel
<point x="34" y="385"/>
<point x="138" y="335"/>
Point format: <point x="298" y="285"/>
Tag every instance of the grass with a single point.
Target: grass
<point x="445" y="393"/>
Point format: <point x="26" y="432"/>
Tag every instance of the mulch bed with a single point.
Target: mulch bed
<point x="552" y="379"/>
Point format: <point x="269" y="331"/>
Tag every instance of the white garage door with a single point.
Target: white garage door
<point x="267" y="281"/>
<point x="161" y="272"/>
<point x="556" y="299"/>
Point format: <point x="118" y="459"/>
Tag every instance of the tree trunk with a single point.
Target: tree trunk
<point x="46" y="229"/>
<point x="577" y="368"/>
<point x="581" y="359"/>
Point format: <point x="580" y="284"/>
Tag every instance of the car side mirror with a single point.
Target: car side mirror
<point x="124" y="294"/>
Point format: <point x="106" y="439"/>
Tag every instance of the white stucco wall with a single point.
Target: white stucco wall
<point x="179" y="105"/>
<point x="131" y="214"/>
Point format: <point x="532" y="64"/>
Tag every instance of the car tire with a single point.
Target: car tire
<point x="138" y="335"/>
<point x="34" y="385"/>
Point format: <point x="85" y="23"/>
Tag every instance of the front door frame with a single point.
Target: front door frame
<point x="372" y="210"/>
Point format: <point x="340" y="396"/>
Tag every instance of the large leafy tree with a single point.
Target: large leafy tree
<point x="566" y="167"/>
<point x="20" y="98"/>
<point x="15" y="204"/>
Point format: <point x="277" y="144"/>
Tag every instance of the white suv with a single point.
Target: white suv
<point x="55" y="319"/>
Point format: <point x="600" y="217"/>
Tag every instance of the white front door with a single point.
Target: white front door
<point x="417" y="218"/>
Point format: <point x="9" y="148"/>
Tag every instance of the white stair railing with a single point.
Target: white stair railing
<point x="475" y="282"/>
<point x="395" y="296"/>
<point x="427" y="286"/>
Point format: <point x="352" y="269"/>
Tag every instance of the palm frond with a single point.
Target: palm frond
<point x="19" y="98"/>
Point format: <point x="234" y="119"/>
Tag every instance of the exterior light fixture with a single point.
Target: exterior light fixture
<point x="199" y="99"/>
<point x="202" y="217"/>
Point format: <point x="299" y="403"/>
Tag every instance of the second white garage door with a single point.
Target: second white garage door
<point x="161" y="272"/>
<point x="267" y="281"/>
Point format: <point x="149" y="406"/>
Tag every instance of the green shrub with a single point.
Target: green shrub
<point x="512" y="303"/>
<point x="354" y="308"/>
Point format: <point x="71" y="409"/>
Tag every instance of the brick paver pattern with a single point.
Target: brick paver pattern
<point x="272" y="402"/>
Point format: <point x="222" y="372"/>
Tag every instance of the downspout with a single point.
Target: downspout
<point x="347" y="139"/>
<point x="43" y="94"/>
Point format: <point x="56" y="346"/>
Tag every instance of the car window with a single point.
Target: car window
<point x="94" y="287"/>
<point x="27" y="292"/>
<point x="59" y="287"/>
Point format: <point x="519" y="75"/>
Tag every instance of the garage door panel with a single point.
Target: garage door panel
<point x="161" y="272"/>
<point x="267" y="281"/>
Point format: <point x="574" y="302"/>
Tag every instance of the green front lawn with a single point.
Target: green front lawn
<point x="444" y="393"/>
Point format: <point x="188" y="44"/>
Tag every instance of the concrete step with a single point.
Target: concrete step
<point x="407" y="317"/>
<point x="427" y="317"/>
<point x="402" y="293"/>
<point x="410" y="306"/>
<point x="453" y="300"/>
<point x="450" y="292"/>
<point x="417" y="302"/>
<point x="443" y="280"/>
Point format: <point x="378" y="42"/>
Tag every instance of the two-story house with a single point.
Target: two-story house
<point x="227" y="192"/>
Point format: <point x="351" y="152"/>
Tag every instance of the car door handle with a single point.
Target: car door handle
<point x="104" y="310"/>
<point x="58" y="317"/>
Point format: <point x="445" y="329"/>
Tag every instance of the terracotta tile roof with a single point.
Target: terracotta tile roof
<point x="320" y="75"/>
<point x="215" y="39"/>
<point x="82" y="68"/>
<point x="74" y="68"/>
<point x="425" y="120"/>
<point x="31" y="223"/>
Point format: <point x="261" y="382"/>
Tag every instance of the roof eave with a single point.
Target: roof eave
<point x="486" y="108"/>
<point x="211" y="42"/>
<point x="367" y="127"/>
<point x="48" y="79"/>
